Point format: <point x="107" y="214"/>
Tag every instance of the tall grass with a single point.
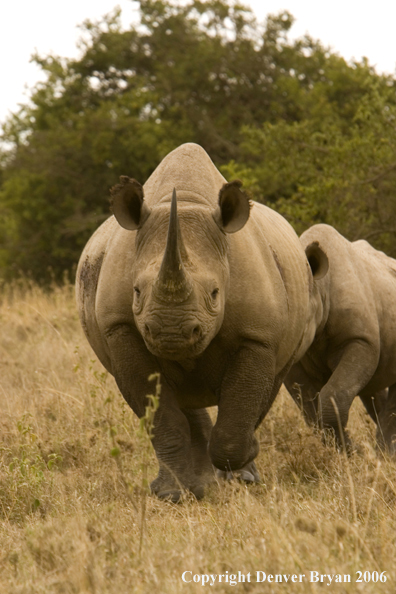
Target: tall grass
<point x="72" y="467"/>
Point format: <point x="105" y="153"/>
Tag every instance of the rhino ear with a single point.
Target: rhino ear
<point x="233" y="210"/>
<point x="317" y="260"/>
<point x="127" y="203"/>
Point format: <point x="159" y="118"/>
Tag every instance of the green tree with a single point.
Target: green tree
<point x="205" y="72"/>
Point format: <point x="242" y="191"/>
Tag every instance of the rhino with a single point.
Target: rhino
<point x="353" y="352"/>
<point x="192" y="280"/>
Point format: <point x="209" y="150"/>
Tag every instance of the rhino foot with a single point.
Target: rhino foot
<point x="248" y="474"/>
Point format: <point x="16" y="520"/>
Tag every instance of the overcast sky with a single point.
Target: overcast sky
<point x="352" y="28"/>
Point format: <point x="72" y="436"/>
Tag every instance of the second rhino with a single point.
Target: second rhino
<point x="353" y="326"/>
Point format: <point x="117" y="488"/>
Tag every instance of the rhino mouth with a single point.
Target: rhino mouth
<point x="175" y="347"/>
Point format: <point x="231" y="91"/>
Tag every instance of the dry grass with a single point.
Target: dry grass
<point x="70" y="507"/>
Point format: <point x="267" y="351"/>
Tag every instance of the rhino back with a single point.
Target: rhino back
<point x="381" y="273"/>
<point x="376" y="257"/>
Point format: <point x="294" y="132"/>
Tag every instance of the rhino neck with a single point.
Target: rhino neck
<point x="173" y="283"/>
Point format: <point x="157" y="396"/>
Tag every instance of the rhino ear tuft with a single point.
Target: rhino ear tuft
<point x="317" y="260"/>
<point x="234" y="206"/>
<point x="127" y="203"/>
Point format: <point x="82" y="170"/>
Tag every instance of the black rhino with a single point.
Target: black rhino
<point x="190" y="279"/>
<point x="354" y="347"/>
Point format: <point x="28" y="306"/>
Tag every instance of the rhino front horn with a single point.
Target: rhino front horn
<point x="172" y="283"/>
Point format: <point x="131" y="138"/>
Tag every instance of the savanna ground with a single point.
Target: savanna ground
<point x="72" y="477"/>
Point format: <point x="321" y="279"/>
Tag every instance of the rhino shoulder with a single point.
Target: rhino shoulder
<point x="92" y="256"/>
<point x="87" y="280"/>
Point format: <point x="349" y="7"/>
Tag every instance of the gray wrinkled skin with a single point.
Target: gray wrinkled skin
<point x="354" y="346"/>
<point x="218" y="306"/>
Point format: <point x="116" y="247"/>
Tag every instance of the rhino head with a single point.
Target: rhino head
<point x="180" y="274"/>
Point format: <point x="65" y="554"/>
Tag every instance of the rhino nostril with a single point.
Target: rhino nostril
<point x="152" y="329"/>
<point x="192" y="331"/>
<point x="196" y="332"/>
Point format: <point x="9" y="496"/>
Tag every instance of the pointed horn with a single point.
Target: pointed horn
<point x="172" y="282"/>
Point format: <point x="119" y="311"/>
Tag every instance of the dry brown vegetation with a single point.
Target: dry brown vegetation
<point x="71" y="465"/>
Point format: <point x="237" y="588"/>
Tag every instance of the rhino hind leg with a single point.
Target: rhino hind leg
<point x="374" y="402"/>
<point x="386" y="424"/>
<point x="376" y="405"/>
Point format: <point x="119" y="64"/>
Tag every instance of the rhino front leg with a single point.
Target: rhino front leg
<point x="200" y="430"/>
<point x="304" y="389"/>
<point x="247" y="393"/>
<point x="131" y="366"/>
<point x="176" y="454"/>
<point x="351" y="373"/>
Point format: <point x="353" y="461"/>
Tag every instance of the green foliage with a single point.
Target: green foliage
<point x="204" y="72"/>
<point x="321" y="171"/>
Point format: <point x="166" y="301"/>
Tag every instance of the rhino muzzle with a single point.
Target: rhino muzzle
<point x="173" y="342"/>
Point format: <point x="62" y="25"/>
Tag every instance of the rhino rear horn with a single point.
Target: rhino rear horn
<point x="127" y="203"/>
<point x="317" y="259"/>
<point x="234" y="206"/>
<point x="173" y="283"/>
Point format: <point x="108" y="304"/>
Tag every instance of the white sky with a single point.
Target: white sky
<point x="352" y="28"/>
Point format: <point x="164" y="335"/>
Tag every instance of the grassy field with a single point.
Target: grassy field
<point x="72" y="472"/>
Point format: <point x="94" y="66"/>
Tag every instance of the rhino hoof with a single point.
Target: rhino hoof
<point x="172" y="495"/>
<point x="248" y="474"/>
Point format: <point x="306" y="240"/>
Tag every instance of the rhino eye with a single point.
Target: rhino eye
<point x="214" y="294"/>
<point x="137" y="291"/>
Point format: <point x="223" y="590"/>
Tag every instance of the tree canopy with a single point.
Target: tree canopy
<point x="308" y="133"/>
